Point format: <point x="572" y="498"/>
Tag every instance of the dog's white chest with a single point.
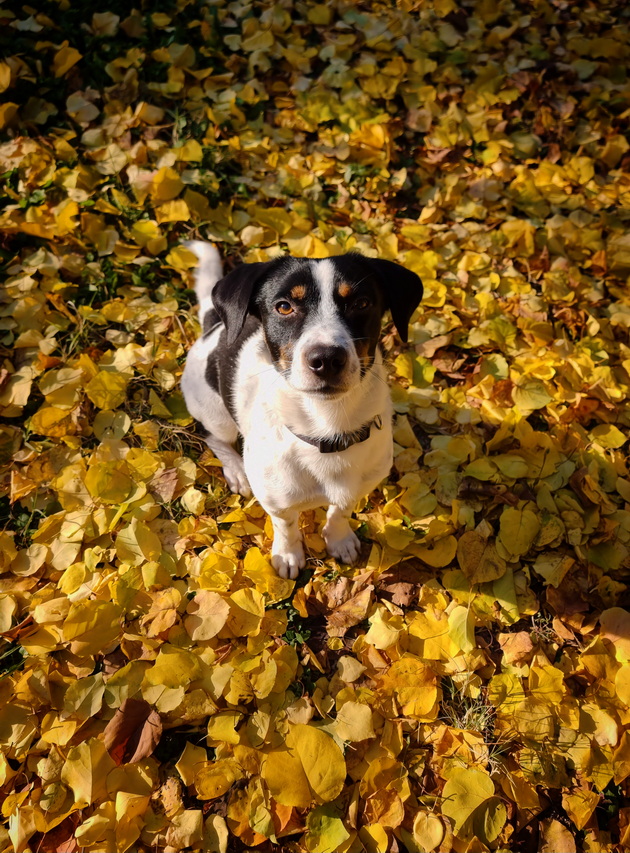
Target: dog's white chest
<point x="287" y="472"/>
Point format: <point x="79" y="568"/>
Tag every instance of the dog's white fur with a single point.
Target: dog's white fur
<point x="286" y="474"/>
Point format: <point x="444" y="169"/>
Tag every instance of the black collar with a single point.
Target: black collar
<point x="342" y="441"/>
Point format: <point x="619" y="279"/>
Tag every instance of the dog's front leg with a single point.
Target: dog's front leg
<point x="287" y="552"/>
<point x="341" y="542"/>
<point x="233" y="468"/>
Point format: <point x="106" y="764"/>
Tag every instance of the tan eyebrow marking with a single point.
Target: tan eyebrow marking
<point x="298" y="292"/>
<point x="344" y="290"/>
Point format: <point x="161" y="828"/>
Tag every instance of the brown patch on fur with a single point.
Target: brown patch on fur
<point x="298" y="292"/>
<point x="286" y="356"/>
<point x="363" y="351"/>
<point x="344" y="290"/>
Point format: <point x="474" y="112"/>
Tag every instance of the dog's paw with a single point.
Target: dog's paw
<point x="236" y="478"/>
<point x="289" y="561"/>
<point x="346" y="550"/>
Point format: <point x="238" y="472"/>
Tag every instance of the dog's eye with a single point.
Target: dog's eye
<point x="361" y="304"/>
<point x="284" y="308"/>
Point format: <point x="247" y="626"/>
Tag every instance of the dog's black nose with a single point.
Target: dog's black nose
<point x="327" y="362"/>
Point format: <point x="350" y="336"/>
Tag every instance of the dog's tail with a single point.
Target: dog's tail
<point x="209" y="271"/>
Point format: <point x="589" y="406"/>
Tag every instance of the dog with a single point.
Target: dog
<point x="289" y="359"/>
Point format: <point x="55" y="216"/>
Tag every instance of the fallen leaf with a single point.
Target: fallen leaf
<point x="133" y="732"/>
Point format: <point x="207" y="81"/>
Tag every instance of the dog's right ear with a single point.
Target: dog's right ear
<point x="232" y="296"/>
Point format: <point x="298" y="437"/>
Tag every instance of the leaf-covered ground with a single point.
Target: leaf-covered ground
<point x="466" y="686"/>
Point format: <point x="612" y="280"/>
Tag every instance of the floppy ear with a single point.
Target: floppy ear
<point x="402" y="290"/>
<point x="232" y="296"/>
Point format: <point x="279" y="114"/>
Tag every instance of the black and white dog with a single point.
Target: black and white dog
<point x="289" y="358"/>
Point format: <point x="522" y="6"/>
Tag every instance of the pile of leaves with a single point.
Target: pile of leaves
<point x="466" y="686"/>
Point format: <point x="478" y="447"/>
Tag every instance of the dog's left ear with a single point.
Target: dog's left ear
<point x="402" y="290"/>
<point x="232" y="296"/>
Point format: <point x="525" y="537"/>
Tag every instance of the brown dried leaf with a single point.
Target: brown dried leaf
<point x="350" y="613"/>
<point x="517" y="648"/>
<point x="60" y="839"/>
<point x="165" y="483"/>
<point x="133" y="732"/>
<point x="400" y="584"/>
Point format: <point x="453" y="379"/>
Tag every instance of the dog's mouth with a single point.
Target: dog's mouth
<point x="326" y="391"/>
<point x="330" y="390"/>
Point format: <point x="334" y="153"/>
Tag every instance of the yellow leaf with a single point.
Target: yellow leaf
<point x="107" y="482"/>
<point x="166" y="185"/>
<point x="5" y="76"/>
<point x="608" y="436"/>
<point x="157" y="406"/>
<point x="325" y="831"/>
<point x="8" y="606"/>
<point x="185" y="830"/>
<point x="532" y="718"/>
<point x="105" y="23"/>
<point x="261" y="40"/>
<point x="137" y="543"/>
<point x="64" y="59"/>
<point x="553" y="567"/>
<point x="193" y="500"/>
<point x="190" y="761"/>
<point x="438" y="553"/>
<point x="259" y="570"/>
<point x="615" y="626"/>
<point x="374" y="838"/>
<point x="415" y="687"/>
<point x="519" y="528"/>
<point x="310" y="767"/>
<point x="354" y="722"/>
<point x="428" y="831"/>
<point x="18" y="728"/>
<point x="111" y="425"/>
<point x="320" y="14"/>
<point x="8" y="112"/>
<point x="108" y="390"/>
<point x="64" y="217"/>
<point x="130" y="809"/>
<point x="190" y="152"/>
<point x="247" y="608"/>
<point x="465" y="791"/>
<point x="580" y="805"/>
<point x="215" y="834"/>
<point x="214" y="778"/>
<point x="397" y="536"/>
<point x="83" y="699"/>
<point x="53" y="422"/>
<point x="622" y="683"/>
<point x="85" y="771"/>
<point x="17" y="389"/>
<point x="91" y="626"/>
<point x="207" y="614"/>
<point x="173" y="668"/>
<point x="182" y="258"/>
<point x="222" y="727"/>
<point x="531" y="394"/>
<point x="147" y="232"/>
<point x="173" y="211"/>
<point x="546" y="683"/>
<point x="461" y="626"/>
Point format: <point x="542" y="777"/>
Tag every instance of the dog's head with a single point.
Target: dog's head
<point x="321" y="318"/>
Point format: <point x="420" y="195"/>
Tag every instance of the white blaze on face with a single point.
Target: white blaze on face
<point x="324" y="327"/>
